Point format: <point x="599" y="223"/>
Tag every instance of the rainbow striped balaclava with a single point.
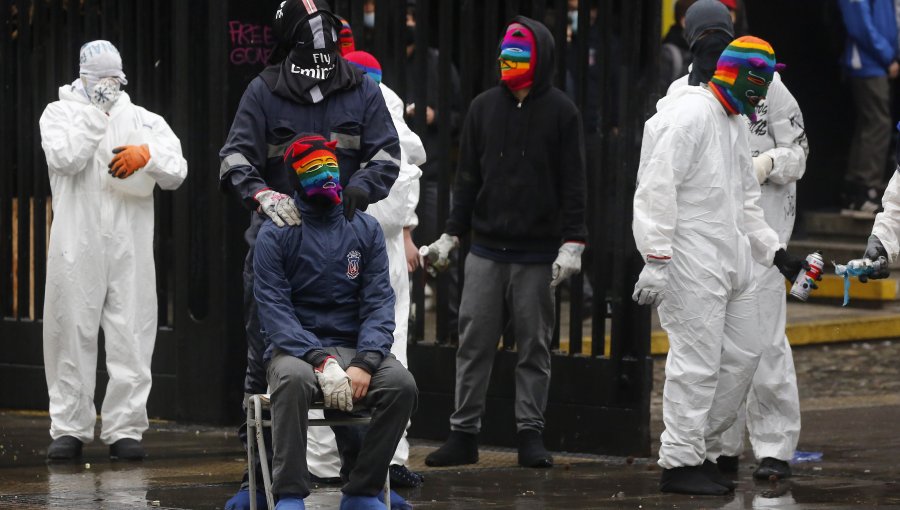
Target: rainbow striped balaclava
<point x="743" y="75"/>
<point x="313" y="159"/>
<point x="346" y="42"/>
<point x="366" y="62"/>
<point x="517" y="57"/>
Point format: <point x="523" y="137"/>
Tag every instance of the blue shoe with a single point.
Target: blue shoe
<point x="397" y="502"/>
<point x="349" y="502"/>
<point x="290" y="503"/>
<point x="241" y="500"/>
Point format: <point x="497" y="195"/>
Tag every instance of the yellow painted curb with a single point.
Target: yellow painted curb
<point x="808" y="333"/>
<point x="832" y="286"/>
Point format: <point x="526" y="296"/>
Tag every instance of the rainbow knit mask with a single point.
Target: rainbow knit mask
<point x="743" y="75"/>
<point x="313" y="159"/>
<point x="366" y="63"/>
<point x="517" y="57"/>
<point x="346" y="42"/>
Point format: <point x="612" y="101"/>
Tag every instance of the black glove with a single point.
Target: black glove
<point x="876" y="253"/>
<point x="789" y="266"/>
<point x="354" y="198"/>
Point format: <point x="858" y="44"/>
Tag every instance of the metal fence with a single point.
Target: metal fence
<point x="190" y="61"/>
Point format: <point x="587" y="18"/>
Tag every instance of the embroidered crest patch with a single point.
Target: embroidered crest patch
<point x="353" y="264"/>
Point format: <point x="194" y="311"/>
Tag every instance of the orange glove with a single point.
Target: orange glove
<point x="128" y="159"/>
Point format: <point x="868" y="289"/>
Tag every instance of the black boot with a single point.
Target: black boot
<point x="64" y="448"/>
<point x="126" y="449"/>
<point x="770" y="467"/>
<point x="712" y="472"/>
<point x="728" y="465"/>
<point x="689" y="480"/>
<point x="460" y="448"/>
<point x="401" y="476"/>
<point x="531" y="450"/>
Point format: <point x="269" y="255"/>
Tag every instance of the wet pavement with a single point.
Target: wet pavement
<point x="851" y="411"/>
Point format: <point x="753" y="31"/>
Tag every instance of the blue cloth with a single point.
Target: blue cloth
<point x="368" y="148"/>
<point x="871" y="36"/>
<point x="290" y="503"/>
<point x="349" y="502"/>
<point x="324" y="284"/>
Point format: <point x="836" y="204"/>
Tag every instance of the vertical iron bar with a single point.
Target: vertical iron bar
<point x="23" y="153"/>
<point x="8" y="76"/>
<point x="42" y="74"/>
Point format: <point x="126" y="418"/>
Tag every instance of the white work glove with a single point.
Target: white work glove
<point x="335" y="385"/>
<point x="651" y="284"/>
<point x="762" y="167"/>
<point x="439" y="251"/>
<point x="105" y="93"/>
<point x="567" y="263"/>
<point x="278" y="206"/>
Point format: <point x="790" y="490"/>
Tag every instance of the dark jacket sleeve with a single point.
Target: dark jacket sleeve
<point x="379" y="148"/>
<point x="244" y="152"/>
<point x="572" y="189"/>
<point x="468" y="177"/>
<point x="272" y="291"/>
<point x="376" y="306"/>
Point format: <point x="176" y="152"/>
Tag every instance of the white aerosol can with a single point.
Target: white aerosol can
<point x="805" y="280"/>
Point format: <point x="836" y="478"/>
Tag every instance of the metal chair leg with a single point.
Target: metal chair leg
<point x="387" y="489"/>
<point x="251" y="467"/>
<point x="263" y="457"/>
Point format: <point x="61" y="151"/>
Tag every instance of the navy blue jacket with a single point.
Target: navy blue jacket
<point x="368" y="149"/>
<point x="325" y="284"/>
<point x="871" y="36"/>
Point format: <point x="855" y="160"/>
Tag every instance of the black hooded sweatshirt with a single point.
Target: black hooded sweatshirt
<point x="520" y="183"/>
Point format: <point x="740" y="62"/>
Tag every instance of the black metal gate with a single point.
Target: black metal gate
<point x="190" y="61"/>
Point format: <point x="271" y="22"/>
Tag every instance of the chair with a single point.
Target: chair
<point x="255" y="426"/>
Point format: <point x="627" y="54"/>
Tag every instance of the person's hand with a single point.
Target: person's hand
<point x="788" y="265"/>
<point x="353" y="199"/>
<point x="335" y="385"/>
<point x="412" y="253"/>
<point x="651" y="283"/>
<point x="278" y="206"/>
<point x="875" y="251"/>
<point x="894" y="69"/>
<point x="359" y="380"/>
<point x="762" y="167"/>
<point x="439" y="251"/>
<point x="105" y="93"/>
<point x="567" y="263"/>
<point x="429" y="115"/>
<point x="128" y="159"/>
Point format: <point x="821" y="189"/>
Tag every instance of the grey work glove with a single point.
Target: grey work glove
<point x="567" y="263"/>
<point x="651" y="283"/>
<point x="335" y="385"/>
<point x="875" y="251"/>
<point x="278" y="206"/>
<point x="438" y="254"/>
<point x="105" y="93"/>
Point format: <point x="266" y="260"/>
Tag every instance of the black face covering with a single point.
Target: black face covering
<point x="707" y="51"/>
<point x="312" y="68"/>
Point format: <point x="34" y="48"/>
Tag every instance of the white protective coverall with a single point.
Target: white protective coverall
<point x="100" y="269"/>
<point x="394" y="213"/>
<point x="696" y="206"/>
<point x="773" y="405"/>
<point x="887" y="223"/>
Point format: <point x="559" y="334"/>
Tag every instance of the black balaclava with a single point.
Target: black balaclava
<point x="306" y="65"/>
<point x="708" y="30"/>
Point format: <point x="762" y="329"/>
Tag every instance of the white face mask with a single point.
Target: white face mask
<point x="369" y="19"/>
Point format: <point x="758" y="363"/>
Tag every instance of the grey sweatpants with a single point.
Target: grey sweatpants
<point x="494" y="291"/>
<point x="365" y="451"/>
<point x="872" y="132"/>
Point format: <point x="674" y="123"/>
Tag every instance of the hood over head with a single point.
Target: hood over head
<point x="543" y="54"/>
<point x="706" y="15"/>
<point x="97" y="60"/>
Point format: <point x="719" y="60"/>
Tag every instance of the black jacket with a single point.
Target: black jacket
<point x="520" y="183"/>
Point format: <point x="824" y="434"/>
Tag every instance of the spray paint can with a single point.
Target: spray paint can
<point x="804" y="281"/>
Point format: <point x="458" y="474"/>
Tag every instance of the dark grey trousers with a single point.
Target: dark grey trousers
<point x="366" y="452"/>
<point x="492" y="292"/>
<point x="872" y="132"/>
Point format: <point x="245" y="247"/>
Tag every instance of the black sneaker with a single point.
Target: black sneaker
<point x="531" y="450"/>
<point x="770" y="467"/>
<point x="126" y="449"/>
<point x="689" y="480"/>
<point x="64" y="448"/>
<point x="712" y="472"/>
<point x="461" y="448"/>
<point x="401" y="476"/>
<point x="864" y="204"/>
<point x="727" y="464"/>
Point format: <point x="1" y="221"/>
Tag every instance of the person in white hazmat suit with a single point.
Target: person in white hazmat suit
<point x="885" y="239"/>
<point x="699" y="229"/>
<point x="105" y="155"/>
<point x="779" y="148"/>
<point x="397" y="216"/>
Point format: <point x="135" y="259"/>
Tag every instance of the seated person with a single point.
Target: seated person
<point x="326" y="309"/>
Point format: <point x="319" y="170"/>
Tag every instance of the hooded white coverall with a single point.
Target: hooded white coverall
<point x="394" y="213"/>
<point x="773" y="405"/>
<point x="696" y="206"/>
<point x="100" y="269"/>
